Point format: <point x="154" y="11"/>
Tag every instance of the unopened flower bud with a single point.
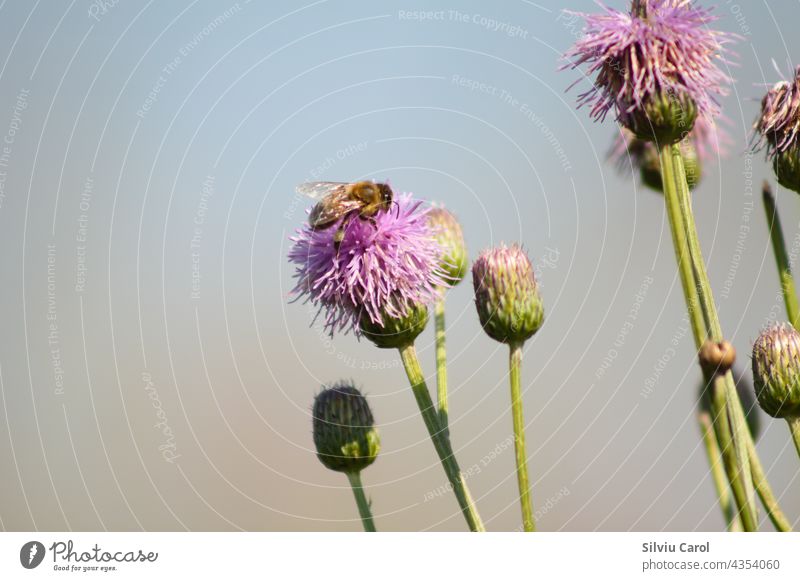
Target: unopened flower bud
<point x="396" y="332"/>
<point x="344" y="429"/>
<point x="717" y="357"/>
<point x="787" y="168"/>
<point x="447" y="231"/>
<point x="776" y="371"/>
<point x="507" y="295"/>
<point x="664" y="118"/>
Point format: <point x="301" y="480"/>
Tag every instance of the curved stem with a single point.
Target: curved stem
<point x="441" y="364"/>
<point x="361" y="500"/>
<point x="765" y="492"/>
<point x="794" y="427"/>
<point x="442" y="443"/>
<point x="728" y="415"/>
<point x="781" y="257"/>
<point x="713" y="453"/>
<point x="514" y="364"/>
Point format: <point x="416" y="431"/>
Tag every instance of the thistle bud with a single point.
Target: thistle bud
<point x="448" y="234"/>
<point x="744" y="387"/>
<point x="650" y="166"/>
<point x="344" y="429"/>
<point x="507" y="295"/>
<point x="787" y="168"/>
<point x="396" y="332"/>
<point x="776" y="371"/>
<point x="664" y="118"/>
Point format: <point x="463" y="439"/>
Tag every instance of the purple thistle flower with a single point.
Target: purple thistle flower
<point x="384" y="265"/>
<point x="662" y="47"/>
<point x="778" y="125"/>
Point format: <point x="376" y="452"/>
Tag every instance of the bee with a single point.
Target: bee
<point x="345" y="200"/>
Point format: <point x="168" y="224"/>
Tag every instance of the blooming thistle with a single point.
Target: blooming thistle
<point x="656" y="66"/>
<point x="384" y="266"/>
<point x="507" y="294"/>
<point x="778" y="129"/>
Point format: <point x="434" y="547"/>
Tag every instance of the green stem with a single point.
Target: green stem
<point x="718" y="472"/>
<point x="441" y="442"/>
<point x="361" y="500"/>
<point x="697" y="290"/>
<point x="514" y="364"/>
<point x="441" y="364"/>
<point x="781" y="257"/>
<point x="794" y="427"/>
<point x="765" y="492"/>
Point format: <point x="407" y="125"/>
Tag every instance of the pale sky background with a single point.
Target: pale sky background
<point x="169" y="136"/>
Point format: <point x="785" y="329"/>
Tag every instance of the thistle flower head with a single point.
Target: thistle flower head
<point x="506" y="294"/>
<point x="656" y="66"/>
<point x="383" y="267"/>
<point x="778" y="129"/>
<point x="778" y="126"/>
<point x="776" y="371"/>
<point x="447" y="231"/>
<point x="344" y="429"/>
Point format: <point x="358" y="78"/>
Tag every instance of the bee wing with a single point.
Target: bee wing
<point x="331" y="208"/>
<point x="319" y="190"/>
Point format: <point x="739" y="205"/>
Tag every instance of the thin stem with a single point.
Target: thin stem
<point x="764" y="490"/>
<point x="514" y="364"/>
<point x="442" y="443"/>
<point x="441" y="364"/>
<point x="781" y="257"/>
<point x="681" y="246"/>
<point x="794" y="427"/>
<point x="739" y="430"/>
<point x="697" y="292"/>
<point x="714" y="454"/>
<point x="361" y="500"/>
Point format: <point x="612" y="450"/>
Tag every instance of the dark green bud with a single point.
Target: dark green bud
<point x="396" y="332"/>
<point x="787" y="168"/>
<point x="344" y="429"/>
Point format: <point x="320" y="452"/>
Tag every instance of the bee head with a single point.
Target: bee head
<point x="386" y="195"/>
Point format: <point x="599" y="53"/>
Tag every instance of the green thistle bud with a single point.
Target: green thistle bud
<point x="776" y="371"/>
<point x="664" y="119"/>
<point x="507" y="295"/>
<point x="787" y="168"/>
<point x="744" y="388"/>
<point x="650" y="166"/>
<point x="344" y="429"/>
<point x="395" y="333"/>
<point x="448" y="234"/>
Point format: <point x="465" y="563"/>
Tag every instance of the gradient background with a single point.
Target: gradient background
<point x="197" y="179"/>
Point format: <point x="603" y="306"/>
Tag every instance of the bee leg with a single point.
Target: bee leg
<point x="338" y="236"/>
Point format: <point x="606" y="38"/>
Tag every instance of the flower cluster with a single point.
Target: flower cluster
<point x="661" y="52"/>
<point x="384" y="266"/>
